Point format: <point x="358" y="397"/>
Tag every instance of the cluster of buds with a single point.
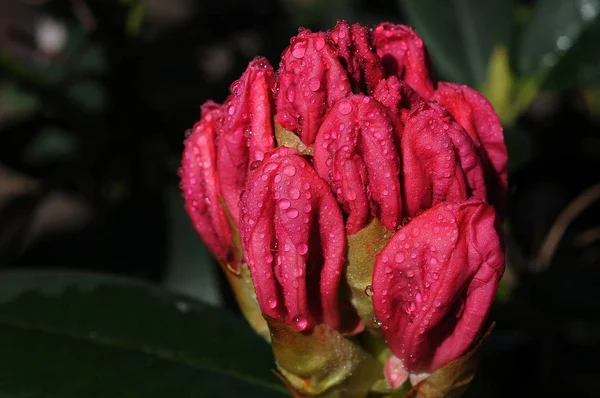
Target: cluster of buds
<point x="356" y="208"/>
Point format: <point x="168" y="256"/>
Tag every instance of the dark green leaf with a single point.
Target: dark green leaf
<point x="192" y="269"/>
<point x="561" y="35"/>
<point x="580" y="67"/>
<point x="461" y="34"/>
<point x="84" y="335"/>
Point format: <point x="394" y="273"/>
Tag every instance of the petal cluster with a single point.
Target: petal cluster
<point x="376" y="142"/>
<point x="293" y="233"/>
<point x="435" y="280"/>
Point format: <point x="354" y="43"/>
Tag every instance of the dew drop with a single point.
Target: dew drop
<point x="345" y="107"/>
<point x="289" y="170"/>
<point x="314" y="84"/>
<point x="300" y="322"/>
<point x="290" y="94"/>
<point x="319" y="43"/>
<point x="294" y="193"/>
<point x="302" y="248"/>
<point x="272" y="303"/>
<point x="369" y="290"/>
<point x="399" y="257"/>
<point x="284" y="204"/>
<point x="376" y="323"/>
<point x="299" y="51"/>
<point x="292" y="213"/>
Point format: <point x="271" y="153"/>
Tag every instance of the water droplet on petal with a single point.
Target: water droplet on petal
<point x="302" y="248"/>
<point x="299" y="51"/>
<point x="290" y="94"/>
<point x="284" y="204"/>
<point x="314" y="84"/>
<point x="294" y="193"/>
<point x="319" y="43"/>
<point x="369" y="290"/>
<point x="300" y="322"/>
<point x="289" y="170"/>
<point x="345" y="107"/>
<point x="292" y="213"/>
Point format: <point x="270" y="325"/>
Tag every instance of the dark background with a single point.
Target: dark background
<point x="95" y="97"/>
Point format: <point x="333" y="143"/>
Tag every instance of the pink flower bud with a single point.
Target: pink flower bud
<point x="479" y="119"/>
<point x="294" y="243"/>
<point x="354" y="49"/>
<point x="355" y="153"/>
<point x="200" y="183"/>
<point x="311" y="79"/>
<point x="439" y="160"/>
<point x="435" y="281"/>
<point x="247" y="132"/>
<point x="404" y="55"/>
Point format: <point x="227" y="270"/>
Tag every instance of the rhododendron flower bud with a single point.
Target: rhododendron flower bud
<point x="347" y="196"/>
<point x="354" y="48"/>
<point x="479" y="119"/>
<point x="200" y="182"/>
<point x="404" y="55"/>
<point x="294" y="242"/>
<point x="355" y="153"/>
<point x="311" y="78"/>
<point x="439" y="160"/>
<point x="435" y="281"/>
<point x="247" y="132"/>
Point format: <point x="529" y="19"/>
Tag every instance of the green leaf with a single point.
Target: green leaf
<point x="461" y="34"/>
<point x="85" y="335"/>
<point x="579" y="67"/>
<point x="192" y="269"/>
<point x="559" y="42"/>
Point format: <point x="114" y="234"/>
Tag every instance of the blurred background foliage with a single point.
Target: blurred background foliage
<point x="95" y="96"/>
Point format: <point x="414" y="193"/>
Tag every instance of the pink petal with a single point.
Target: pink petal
<point x="398" y="97"/>
<point x="200" y="183"/>
<point x="439" y="160"/>
<point x="435" y="281"/>
<point x="294" y="242"/>
<point x="311" y="79"/>
<point x="247" y="132"/>
<point x="356" y="155"/>
<point x="479" y="119"/>
<point x="404" y="55"/>
<point x="363" y="65"/>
